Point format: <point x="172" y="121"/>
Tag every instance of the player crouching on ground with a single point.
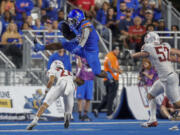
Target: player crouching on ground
<point x="160" y="57"/>
<point x="65" y="87"/>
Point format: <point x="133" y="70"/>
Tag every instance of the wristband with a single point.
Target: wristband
<point x="47" y="89"/>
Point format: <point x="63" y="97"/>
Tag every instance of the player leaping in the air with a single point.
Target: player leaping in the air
<point x="87" y="45"/>
<point x="160" y="56"/>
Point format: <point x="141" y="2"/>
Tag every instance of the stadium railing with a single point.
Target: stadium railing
<point x="170" y="14"/>
<point x="30" y="56"/>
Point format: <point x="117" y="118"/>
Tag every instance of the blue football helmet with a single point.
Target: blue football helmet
<point x="75" y="17"/>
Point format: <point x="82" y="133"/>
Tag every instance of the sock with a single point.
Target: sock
<point x="36" y="118"/>
<point x="152" y="107"/>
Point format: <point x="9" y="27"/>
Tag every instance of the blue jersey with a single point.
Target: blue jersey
<point x="90" y="50"/>
<point x="65" y="59"/>
<point x="93" y="39"/>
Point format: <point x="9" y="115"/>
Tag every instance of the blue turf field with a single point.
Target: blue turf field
<point x="99" y="126"/>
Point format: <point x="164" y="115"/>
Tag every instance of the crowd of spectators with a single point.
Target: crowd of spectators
<point x="128" y="20"/>
<point x="16" y="16"/>
<point x="19" y="12"/>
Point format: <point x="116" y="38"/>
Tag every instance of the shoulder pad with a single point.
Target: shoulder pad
<point x="86" y="24"/>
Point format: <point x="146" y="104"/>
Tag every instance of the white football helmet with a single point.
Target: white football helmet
<point x="57" y="64"/>
<point x="152" y="37"/>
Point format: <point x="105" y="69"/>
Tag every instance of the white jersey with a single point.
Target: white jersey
<point x="64" y="87"/>
<point x="159" y="56"/>
<point x="60" y="74"/>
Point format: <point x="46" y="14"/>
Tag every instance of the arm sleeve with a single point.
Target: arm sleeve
<point x="51" y="59"/>
<point x="85" y="35"/>
<point x="69" y="64"/>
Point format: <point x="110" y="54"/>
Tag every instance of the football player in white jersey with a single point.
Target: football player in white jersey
<point x="64" y="87"/>
<point x="160" y="57"/>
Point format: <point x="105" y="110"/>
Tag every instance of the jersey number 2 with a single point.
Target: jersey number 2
<point x="65" y="73"/>
<point x="163" y="53"/>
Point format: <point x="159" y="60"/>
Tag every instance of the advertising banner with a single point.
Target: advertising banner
<point x="137" y="102"/>
<point x="22" y="103"/>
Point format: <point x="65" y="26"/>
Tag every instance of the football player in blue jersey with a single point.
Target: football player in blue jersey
<point x="87" y="45"/>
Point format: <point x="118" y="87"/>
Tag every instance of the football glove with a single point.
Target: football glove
<point x="66" y="30"/>
<point x="38" y="47"/>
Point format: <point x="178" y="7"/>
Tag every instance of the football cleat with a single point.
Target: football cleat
<point x="149" y="124"/>
<point x="38" y="47"/>
<point x="174" y="128"/>
<point x="31" y="125"/>
<point x="67" y="118"/>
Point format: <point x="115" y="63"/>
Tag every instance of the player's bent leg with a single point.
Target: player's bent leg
<point x="49" y="99"/>
<point x="172" y="90"/>
<point x="93" y="61"/>
<point x="67" y="118"/>
<point x="152" y="106"/>
<point x="152" y="121"/>
<point x="32" y="124"/>
<point x="41" y="110"/>
<point x="68" y="104"/>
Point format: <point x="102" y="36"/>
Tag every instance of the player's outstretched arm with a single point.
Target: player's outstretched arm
<point x="53" y="46"/>
<point x="174" y="58"/>
<point x="175" y="51"/>
<point x="140" y="54"/>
